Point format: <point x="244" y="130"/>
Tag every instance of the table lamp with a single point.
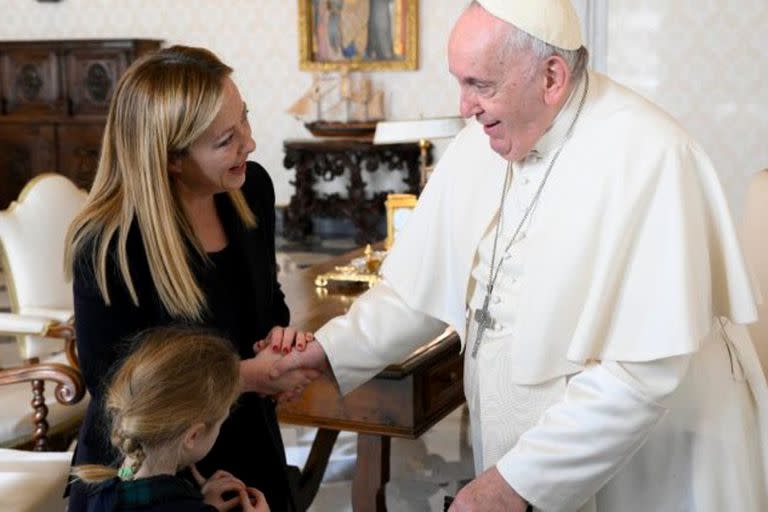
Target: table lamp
<point x="421" y="130"/>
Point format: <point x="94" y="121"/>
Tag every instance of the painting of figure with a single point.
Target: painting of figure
<point x="358" y="34"/>
<point x="380" y="30"/>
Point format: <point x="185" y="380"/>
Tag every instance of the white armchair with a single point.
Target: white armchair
<point x="33" y="482"/>
<point x="754" y="234"/>
<point x="32" y="232"/>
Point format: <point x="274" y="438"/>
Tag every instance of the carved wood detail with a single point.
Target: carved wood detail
<point x="54" y="97"/>
<point x="329" y="160"/>
<point x="69" y="390"/>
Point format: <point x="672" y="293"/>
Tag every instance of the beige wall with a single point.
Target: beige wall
<point x="705" y="61"/>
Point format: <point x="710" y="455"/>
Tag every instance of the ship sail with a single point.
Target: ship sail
<point x="346" y="101"/>
<point x="310" y="105"/>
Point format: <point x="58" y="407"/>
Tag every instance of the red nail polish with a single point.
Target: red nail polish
<point x="275" y="348"/>
<point x="286" y="350"/>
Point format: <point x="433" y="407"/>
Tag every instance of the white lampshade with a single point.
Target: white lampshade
<point x="390" y="132"/>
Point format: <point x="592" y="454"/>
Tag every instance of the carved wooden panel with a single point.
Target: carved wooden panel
<point x="32" y="82"/>
<point x="25" y="150"/>
<point x="92" y="74"/>
<point x="333" y="159"/>
<point x="78" y="152"/>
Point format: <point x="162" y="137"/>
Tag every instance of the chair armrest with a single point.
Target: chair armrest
<point x="70" y="387"/>
<point x="64" y="316"/>
<point x="12" y="324"/>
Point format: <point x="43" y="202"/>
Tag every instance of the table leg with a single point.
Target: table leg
<point x="371" y="473"/>
<point x="314" y="469"/>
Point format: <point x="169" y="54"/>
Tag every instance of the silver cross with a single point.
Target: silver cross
<point x="484" y="321"/>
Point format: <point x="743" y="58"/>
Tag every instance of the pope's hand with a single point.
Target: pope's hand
<point x="313" y="357"/>
<point x="488" y="492"/>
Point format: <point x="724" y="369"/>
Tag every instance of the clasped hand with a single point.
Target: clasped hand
<point x="279" y="342"/>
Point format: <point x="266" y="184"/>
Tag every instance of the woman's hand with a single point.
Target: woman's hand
<point x="284" y="339"/>
<point x="214" y="487"/>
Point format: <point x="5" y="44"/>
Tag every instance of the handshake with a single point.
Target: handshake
<point x="285" y="361"/>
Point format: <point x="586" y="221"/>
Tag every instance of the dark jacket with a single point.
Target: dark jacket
<point x="163" y="493"/>
<point x="245" y="301"/>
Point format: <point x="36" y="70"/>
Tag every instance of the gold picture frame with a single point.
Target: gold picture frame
<point x="398" y="207"/>
<point x="323" y="45"/>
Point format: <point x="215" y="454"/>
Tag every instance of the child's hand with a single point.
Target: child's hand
<point x="284" y="339"/>
<point x="252" y="500"/>
<point x="214" y="487"/>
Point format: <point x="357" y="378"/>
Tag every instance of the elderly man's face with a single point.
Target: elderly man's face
<point x="502" y="90"/>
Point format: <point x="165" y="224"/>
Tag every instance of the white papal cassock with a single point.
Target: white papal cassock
<point x="617" y="376"/>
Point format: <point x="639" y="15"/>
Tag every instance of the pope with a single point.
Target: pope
<point x="578" y="240"/>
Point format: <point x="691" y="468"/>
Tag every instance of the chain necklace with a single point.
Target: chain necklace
<point x="483" y="316"/>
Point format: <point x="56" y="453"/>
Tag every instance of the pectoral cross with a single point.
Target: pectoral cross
<point x="484" y="321"/>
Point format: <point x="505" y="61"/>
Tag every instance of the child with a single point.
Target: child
<point x="166" y="405"/>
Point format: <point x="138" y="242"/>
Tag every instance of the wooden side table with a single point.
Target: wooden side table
<point x="328" y="160"/>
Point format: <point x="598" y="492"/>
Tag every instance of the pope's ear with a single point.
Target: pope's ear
<point x="558" y="77"/>
<point x="174" y="163"/>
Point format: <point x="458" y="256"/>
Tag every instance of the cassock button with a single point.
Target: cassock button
<point x="526" y="180"/>
<point x="496" y="299"/>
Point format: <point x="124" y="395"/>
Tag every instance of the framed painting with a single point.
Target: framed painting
<point x="358" y="35"/>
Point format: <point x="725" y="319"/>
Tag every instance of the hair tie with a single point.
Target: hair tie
<point x="125" y="473"/>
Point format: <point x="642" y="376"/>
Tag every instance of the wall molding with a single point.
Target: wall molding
<point x="594" y="22"/>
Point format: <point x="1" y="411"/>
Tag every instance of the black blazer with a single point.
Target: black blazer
<point x="250" y="445"/>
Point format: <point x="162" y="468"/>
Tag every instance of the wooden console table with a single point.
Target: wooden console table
<point x="404" y="400"/>
<point x="329" y="160"/>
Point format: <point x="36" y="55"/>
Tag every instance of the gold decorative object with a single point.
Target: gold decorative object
<point x="341" y="43"/>
<point x="398" y="207"/>
<point x="363" y="270"/>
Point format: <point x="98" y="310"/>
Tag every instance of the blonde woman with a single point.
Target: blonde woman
<point x="179" y="228"/>
<point x="166" y="405"/>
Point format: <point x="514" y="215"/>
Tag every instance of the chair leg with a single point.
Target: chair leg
<point x="40" y="418"/>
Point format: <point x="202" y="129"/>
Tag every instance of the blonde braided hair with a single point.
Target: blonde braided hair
<point x="176" y="378"/>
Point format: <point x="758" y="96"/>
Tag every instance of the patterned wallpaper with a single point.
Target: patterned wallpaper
<point x="705" y="61"/>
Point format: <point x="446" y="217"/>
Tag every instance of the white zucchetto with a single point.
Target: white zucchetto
<point x="552" y="21"/>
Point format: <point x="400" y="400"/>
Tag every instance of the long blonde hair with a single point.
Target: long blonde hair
<point x="175" y="379"/>
<point x="161" y="105"/>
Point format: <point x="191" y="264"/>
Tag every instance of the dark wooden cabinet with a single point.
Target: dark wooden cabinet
<point x="54" y="97"/>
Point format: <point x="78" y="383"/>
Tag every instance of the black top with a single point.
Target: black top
<point x="163" y="493"/>
<point x="244" y="302"/>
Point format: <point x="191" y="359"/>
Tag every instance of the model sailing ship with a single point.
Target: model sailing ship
<point x="340" y="106"/>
